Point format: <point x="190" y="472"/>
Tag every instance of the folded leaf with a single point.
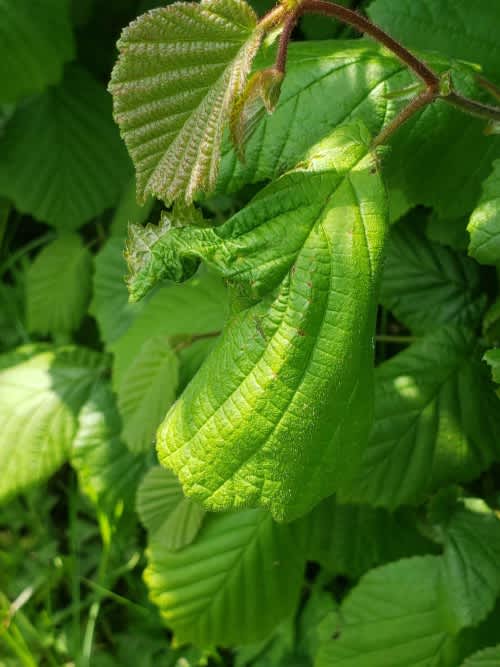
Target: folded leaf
<point x="280" y="412"/>
<point x="42" y="390"/>
<point x="437" y="420"/>
<point x="234" y="584"/>
<point x="180" y="69"/>
<point x="484" y="224"/>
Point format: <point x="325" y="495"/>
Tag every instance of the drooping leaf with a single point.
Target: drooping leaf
<point x="164" y="510"/>
<point x="108" y="472"/>
<point x="349" y="540"/>
<point x="233" y="584"/>
<point x="328" y="83"/>
<point x="179" y="71"/>
<point x="303" y="259"/>
<point x="109" y="305"/>
<point x="392" y="617"/>
<point x="58" y="286"/>
<point x="426" y="284"/>
<point x="194" y="309"/>
<point x="490" y="657"/>
<point x="146" y="391"/>
<point x="456" y="28"/>
<point x="484" y="224"/>
<point x="470" y="576"/>
<point x="41" y="393"/>
<point x="437" y="420"/>
<point x="61" y="159"/>
<point x="35" y="41"/>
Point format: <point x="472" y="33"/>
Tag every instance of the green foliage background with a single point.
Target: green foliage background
<point x="103" y="559"/>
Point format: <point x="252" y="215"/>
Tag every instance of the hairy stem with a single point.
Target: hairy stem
<point x="472" y="107"/>
<point x="288" y="26"/>
<point x="426" y="97"/>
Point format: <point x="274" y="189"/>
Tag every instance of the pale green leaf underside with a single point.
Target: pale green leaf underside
<point x="484" y="224"/>
<point x="35" y="41"/>
<point x="179" y="70"/>
<point x="164" y="510"/>
<point x="330" y="82"/>
<point x="233" y="585"/>
<point x="61" y="158"/>
<point x="437" y="420"/>
<point x="146" y="391"/>
<point x="41" y="393"/>
<point x="470" y="572"/>
<point x="108" y="472"/>
<point x="58" y="286"/>
<point x="392" y="617"/>
<point x="280" y="411"/>
<point x="490" y="657"/>
<point x="426" y="284"/>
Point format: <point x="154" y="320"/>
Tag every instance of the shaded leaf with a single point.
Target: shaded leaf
<point x="61" y="158"/>
<point x="490" y="657"/>
<point x="146" y="391"/>
<point x="58" y="286"/>
<point x="179" y="70"/>
<point x="36" y="40"/>
<point x="164" y="511"/>
<point x="484" y="224"/>
<point x="233" y="585"/>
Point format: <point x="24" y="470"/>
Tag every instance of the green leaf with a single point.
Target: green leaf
<point x="492" y="358"/>
<point x="449" y="232"/>
<point x="351" y="539"/>
<point x="426" y="164"/>
<point x="58" y="286"/>
<point x="108" y="473"/>
<point x="179" y="71"/>
<point x="234" y="584"/>
<point x="129" y="211"/>
<point x="470" y="576"/>
<point x="426" y="284"/>
<point x="490" y="657"/>
<point x="484" y="224"/>
<point x="109" y="305"/>
<point x="42" y="390"/>
<point x="146" y="391"/>
<point x="303" y="259"/>
<point x="456" y="28"/>
<point x="61" y="159"/>
<point x="35" y="41"/>
<point x="194" y="309"/>
<point x="437" y="421"/>
<point x="393" y="618"/>
<point x="164" y="511"/>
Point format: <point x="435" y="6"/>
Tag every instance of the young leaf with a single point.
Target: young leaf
<point x="470" y="576"/>
<point x="165" y="511"/>
<point x="58" y="286"/>
<point x="392" y="617"/>
<point x="484" y="224"/>
<point x="349" y="540"/>
<point x="234" y="584"/>
<point x="279" y="413"/>
<point x="146" y="392"/>
<point x="42" y="390"/>
<point x="426" y="284"/>
<point x="61" y="159"/>
<point x="35" y="41"/>
<point x="437" y="421"/>
<point x="180" y="69"/>
<point x="490" y="657"/>
<point x="108" y="473"/>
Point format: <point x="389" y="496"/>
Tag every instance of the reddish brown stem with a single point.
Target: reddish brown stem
<point x="426" y="97"/>
<point x="288" y="27"/>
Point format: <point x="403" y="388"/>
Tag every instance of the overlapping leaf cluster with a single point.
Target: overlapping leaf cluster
<point x="321" y="386"/>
